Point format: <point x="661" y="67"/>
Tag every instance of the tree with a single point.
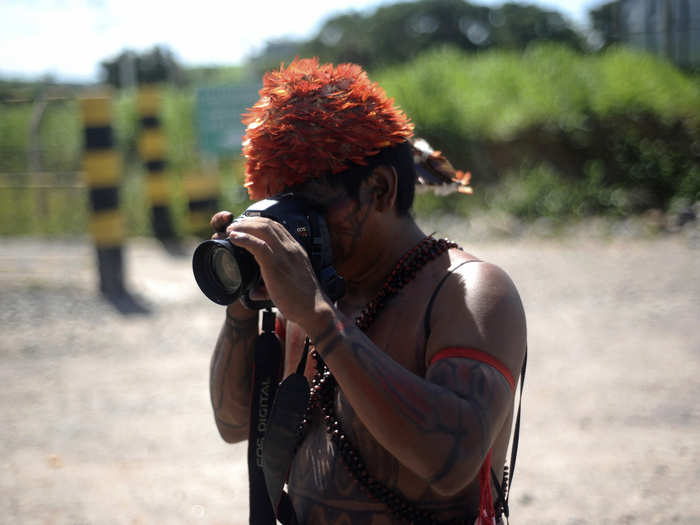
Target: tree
<point x="515" y="26"/>
<point x="274" y="52"/>
<point x="396" y="33"/>
<point x="606" y="22"/>
<point x="129" y="68"/>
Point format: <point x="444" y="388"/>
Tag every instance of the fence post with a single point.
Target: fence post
<point x="34" y="153"/>
<point x="102" y="167"/>
<point x="153" y="151"/>
<point x="202" y="191"/>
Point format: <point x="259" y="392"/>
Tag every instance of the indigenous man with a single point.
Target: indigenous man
<point x="415" y="369"/>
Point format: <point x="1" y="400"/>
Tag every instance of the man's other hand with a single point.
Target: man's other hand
<point x="285" y="267"/>
<point x="219" y="222"/>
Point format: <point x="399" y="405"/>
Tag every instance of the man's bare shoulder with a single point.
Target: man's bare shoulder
<point x="479" y="307"/>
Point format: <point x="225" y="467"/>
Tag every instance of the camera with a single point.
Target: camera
<point x="225" y="272"/>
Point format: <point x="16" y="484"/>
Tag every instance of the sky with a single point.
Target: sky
<point x="68" y="38"/>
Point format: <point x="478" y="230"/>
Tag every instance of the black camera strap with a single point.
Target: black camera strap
<point x="276" y="414"/>
<point x="266" y="375"/>
<point x="503" y="488"/>
<point x="283" y="436"/>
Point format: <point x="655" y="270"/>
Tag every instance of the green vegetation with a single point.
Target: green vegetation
<point x="545" y="132"/>
<point x="560" y="133"/>
<point x="500" y="93"/>
<point x="56" y="202"/>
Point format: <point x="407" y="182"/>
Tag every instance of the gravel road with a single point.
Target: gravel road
<point x="106" y="418"/>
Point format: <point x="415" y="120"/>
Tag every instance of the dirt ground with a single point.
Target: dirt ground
<point x="105" y="419"/>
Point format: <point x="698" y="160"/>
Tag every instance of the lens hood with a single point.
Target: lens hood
<point x="204" y="271"/>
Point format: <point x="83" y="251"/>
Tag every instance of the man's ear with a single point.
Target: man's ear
<point x="384" y="183"/>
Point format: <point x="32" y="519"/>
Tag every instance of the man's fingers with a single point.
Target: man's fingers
<point x="260" y="227"/>
<point x="253" y="244"/>
<point x="220" y="220"/>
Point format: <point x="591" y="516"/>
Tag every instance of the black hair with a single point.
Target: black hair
<point x="400" y="157"/>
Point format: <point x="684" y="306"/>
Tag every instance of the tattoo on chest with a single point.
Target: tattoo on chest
<point x="321" y="485"/>
<point x="319" y="468"/>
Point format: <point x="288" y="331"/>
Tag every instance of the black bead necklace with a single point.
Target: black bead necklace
<point x="323" y="384"/>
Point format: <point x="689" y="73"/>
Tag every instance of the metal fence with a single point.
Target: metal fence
<point x="43" y="203"/>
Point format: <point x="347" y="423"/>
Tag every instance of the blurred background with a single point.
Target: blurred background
<point x="120" y="136"/>
<point x="560" y="110"/>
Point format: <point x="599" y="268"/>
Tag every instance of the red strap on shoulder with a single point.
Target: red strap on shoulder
<point x="280" y="330"/>
<point x="476" y="355"/>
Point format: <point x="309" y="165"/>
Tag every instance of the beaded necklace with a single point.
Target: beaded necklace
<point x="323" y="383"/>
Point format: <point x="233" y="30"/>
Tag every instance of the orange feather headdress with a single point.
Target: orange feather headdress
<point x="315" y="119"/>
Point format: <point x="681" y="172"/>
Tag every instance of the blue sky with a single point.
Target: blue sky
<point x="68" y="38"/>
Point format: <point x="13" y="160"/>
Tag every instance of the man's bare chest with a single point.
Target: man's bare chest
<point x="318" y="467"/>
<point x="327" y="489"/>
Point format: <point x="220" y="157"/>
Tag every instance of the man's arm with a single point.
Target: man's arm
<point x="442" y="426"/>
<point x="232" y="361"/>
<point x="230" y="373"/>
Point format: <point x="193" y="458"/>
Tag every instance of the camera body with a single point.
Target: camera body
<point x="225" y="272"/>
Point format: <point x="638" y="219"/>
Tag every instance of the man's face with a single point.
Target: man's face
<point x="346" y="219"/>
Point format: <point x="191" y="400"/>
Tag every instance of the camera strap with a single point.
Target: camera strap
<point x="267" y="357"/>
<point x="282" y="438"/>
<point x="276" y="414"/>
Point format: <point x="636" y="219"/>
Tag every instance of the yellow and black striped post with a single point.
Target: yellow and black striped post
<point x="153" y="151"/>
<point x="102" y="169"/>
<point x="202" y="191"/>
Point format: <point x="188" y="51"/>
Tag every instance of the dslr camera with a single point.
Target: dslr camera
<point x="225" y="272"/>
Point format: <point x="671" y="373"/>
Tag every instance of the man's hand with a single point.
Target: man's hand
<point x="285" y="267"/>
<point x="232" y="360"/>
<point x="219" y="222"/>
<point x="236" y="310"/>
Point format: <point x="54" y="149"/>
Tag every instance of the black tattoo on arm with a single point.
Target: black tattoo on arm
<point x="230" y="426"/>
<point x="328" y="348"/>
<point x="230" y="372"/>
<point x="325" y="334"/>
<point x="329" y="339"/>
<point x="458" y="406"/>
<point x="469" y="381"/>
<point x="235" y="335"/>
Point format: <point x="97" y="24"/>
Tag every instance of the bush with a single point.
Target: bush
<point x="503" y="115"/>
<point x="499" y="93"/>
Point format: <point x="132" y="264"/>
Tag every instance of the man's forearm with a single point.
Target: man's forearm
<point x="440" y="428"/>
<point x="230" y="373"/>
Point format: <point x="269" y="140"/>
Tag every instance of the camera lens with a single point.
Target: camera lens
<point x="223" y="271"/>
<point x="226" y="270"/>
